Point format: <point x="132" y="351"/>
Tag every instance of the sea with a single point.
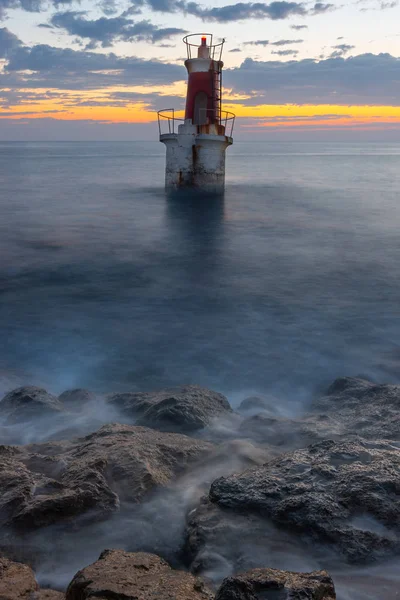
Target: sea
<point x="289" y="280"/>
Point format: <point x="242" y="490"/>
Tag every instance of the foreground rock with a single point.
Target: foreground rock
<point x="271" y="584"/>
<point x="351" y="406"/>
<point x="17" y="581"/>
<point x="345" y="494"/>
<point x="220" y="541"/>
<point x="27" y="403"/>
<point x="186" y="409"/>
<point x="119" y="575"/>
<point x="87" y="479"/>
<point x="355" y="405"/>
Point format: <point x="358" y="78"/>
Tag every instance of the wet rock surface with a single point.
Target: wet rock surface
<point x="351" y="406"/>
<point x="272" y="584"/>
<point x="359" y="406"/>
<point x="119" y="575"/>
<point x="345" y="494"/>
<point x="89" y="477"/>
<point x="26" y="403"/>
<point x="187" y="408"/>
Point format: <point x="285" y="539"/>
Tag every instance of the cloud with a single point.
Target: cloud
<point x="257" y="43"/>
<point x="341" y="50"/>
<point x="364" y="79"/>
<point x="28" y="5"/>
<point x="67" y="69"/>
<point x="388" y="5"/>
<point x="276" y="10"/>
<point x="235" y="50"/>
<point x="298" y="27"/>
<point x="286" y="42"/>
<point x="8" y="42"/>
<point x="285" y="52"/>
<point x="320" y="8"/>
<point x="106" y="31"/>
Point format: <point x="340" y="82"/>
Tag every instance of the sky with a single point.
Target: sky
<point x="100" y="69"/>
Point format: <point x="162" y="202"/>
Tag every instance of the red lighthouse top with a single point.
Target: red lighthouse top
<point x="204" y="65"/>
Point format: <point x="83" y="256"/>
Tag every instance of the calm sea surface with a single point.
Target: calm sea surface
<point x="289" y="281"/>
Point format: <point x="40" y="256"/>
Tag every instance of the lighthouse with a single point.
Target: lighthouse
<point x="196" y="144"/>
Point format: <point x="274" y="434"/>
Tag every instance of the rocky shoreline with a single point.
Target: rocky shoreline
<point x="195" y="499"/>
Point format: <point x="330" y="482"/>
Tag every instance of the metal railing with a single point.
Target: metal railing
<point x="193" y="45"/>
<point x="224" y="118"/>
<point x="167" y="118"/>
<point x="166" y="121"/>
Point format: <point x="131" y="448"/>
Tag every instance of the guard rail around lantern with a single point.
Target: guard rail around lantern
<point x="167" y="119"/>
<point x="194" y="41"/>
<point x="225" y="118"/>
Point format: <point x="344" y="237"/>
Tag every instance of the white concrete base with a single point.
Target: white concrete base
<point x="195" y="159"/>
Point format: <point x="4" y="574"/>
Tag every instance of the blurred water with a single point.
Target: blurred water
<point x="289" y="281"/>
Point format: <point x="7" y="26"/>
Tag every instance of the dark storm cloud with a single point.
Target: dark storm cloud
<point x="285" y="52"/>
<point x="106" y="31"/>
<point x="364" y="79"/>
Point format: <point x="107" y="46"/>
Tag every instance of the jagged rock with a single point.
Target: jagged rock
<point x="354" y="405"/>
<point x="345" y="494"/>
<point x="26" y="403"/>
<point x="17" y="581"/>
<point x="76" y="399"/>
<point x="271" y="584"/>
<point x="87" y="478"/>
<point x="186" y="408"/>
<point x="119" y="575"/>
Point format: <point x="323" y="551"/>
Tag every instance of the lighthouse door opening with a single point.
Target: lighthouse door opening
<point x="200" y="109"/>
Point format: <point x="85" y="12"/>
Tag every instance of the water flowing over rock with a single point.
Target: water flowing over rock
<point x="344" y="494"/>
<point x="119" y="575"/>
<point x="351" y="406"/>
<point x="89" y="477"/>
<point x="359" y="406"/>
<point x="187" y="408"/>
<point x="26" y="403"/>
<point x="272" y="584"/>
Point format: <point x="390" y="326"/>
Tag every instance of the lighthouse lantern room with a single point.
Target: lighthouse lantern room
<point x="196" y="145"/>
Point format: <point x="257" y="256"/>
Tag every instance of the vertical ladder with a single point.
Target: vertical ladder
<point x="217" y="90"/>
